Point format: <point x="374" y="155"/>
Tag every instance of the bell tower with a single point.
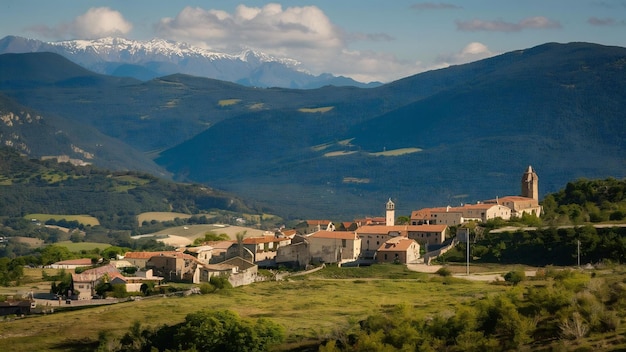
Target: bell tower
<point x="390" y="219"/>
<point x="530" y="184"/>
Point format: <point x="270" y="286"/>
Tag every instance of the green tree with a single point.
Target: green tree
<point x="403" y="220"/>
<point x="225" y="331"/>
<point x="119" y="291"/>
<point x="64" y="285"/>
<point x="11" y="271"/>
<point x="53" y="253"/>
<point x="498" y="316"/>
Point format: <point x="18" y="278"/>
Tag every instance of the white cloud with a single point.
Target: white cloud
<point x="97" y="22"/>
<point x="537" y="22"/>
<point x="471" y="52"/>
<point x="305" y="34"/>
<point x="270" y="28"/>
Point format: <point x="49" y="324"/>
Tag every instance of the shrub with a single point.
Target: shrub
<point x="220" y="282"/>
<point x="515" y="276"/>
<point x="206" y="288"/>
<point x="443" y="271"/>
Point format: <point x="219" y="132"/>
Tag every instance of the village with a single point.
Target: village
<point x="311" y="244"/>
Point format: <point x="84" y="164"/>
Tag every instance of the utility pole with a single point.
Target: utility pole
<point x="467" y="242"/>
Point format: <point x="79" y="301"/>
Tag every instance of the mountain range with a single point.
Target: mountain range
<point x="455" y="135"/>
<point x="145" y="60"/>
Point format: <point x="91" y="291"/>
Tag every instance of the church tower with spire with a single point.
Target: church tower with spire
<point x="390" y="219"/>
<point x="530" y="184"/>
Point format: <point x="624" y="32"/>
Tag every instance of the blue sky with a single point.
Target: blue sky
<point x="368" y="40"/>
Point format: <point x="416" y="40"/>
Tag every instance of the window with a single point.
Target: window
<point x="343" y="243"/>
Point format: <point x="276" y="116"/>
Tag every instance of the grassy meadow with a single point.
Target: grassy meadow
<point x="310" y="307"/>
<point x="82" y="246"/>
<point x="316" y="110"/>
<point x="160" y="216"/>
<point x="82" y="219"/>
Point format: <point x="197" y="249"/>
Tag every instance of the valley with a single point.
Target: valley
<point x="448" y="136"/>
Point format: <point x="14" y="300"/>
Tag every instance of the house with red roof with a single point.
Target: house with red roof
<point x="373" y="236"/>
<point x="398" y="250"/>
<point x="176" y="267"/>
<point x="134" y="283"/>
<point x="84" y="284"/>
<point x="259" y="249"/>
<point x="238" y="270"/>
<point x="334" y="246"/>
<point x="454" y="216"/>
<point x="519" y="205"/>
<point x="139" y="259"/>
<point x="310" y="226"/>
<point x="72" y="263"/>
<point x="369" y="221"/>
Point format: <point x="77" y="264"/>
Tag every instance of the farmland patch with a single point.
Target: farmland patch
<point x="316" y="110"/>
<point x="81" y="219"/>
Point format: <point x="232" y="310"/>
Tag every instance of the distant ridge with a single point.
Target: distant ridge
<point x="146" y="60"/>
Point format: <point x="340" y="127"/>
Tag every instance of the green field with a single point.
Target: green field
<point x="82" y="219"/>
<point x="80" y="246"/>
<point x="227" y="102"/>
<point x="316" y="110"/>
<point x="160" y="216"/>
<point x="311" y="307"/>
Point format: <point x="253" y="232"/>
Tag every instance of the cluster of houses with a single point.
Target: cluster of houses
<point x="364" y="241"/>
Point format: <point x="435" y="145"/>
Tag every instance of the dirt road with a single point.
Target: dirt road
<point x="482" y="276"/>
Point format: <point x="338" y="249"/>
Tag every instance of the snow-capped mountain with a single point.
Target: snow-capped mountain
<point x="145" y="60"/>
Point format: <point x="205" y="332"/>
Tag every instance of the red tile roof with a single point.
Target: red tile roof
<point x="509" y="199"/>
<point x="289" y="232"/>
<point x="396" y="244"/>
<point x="340" y="235"/>
<point x="402" y="229"/>
<point x="317" y="222"/>
<point x="261" y="239"/>
<point x="81" y="261"/>
<point x="96" y="273"/>
<point x="426" y="213"/>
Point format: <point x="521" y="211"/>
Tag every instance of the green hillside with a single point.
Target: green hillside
<point x="115" y="198"/>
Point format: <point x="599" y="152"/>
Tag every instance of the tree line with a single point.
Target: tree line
<point x="545" y="246"/>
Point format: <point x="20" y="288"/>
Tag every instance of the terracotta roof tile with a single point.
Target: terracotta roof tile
<point x="81" y="261"/>
<point x="317" y="222"/>
<point x="396" y="244"/>
<point x="402" y="229"/>
<point x="340" y="235"/>
<point x="261" y="239"/>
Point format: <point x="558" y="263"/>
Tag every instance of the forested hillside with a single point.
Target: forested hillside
<point x="587" y="201"/>
<point x="114" y="198"/>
